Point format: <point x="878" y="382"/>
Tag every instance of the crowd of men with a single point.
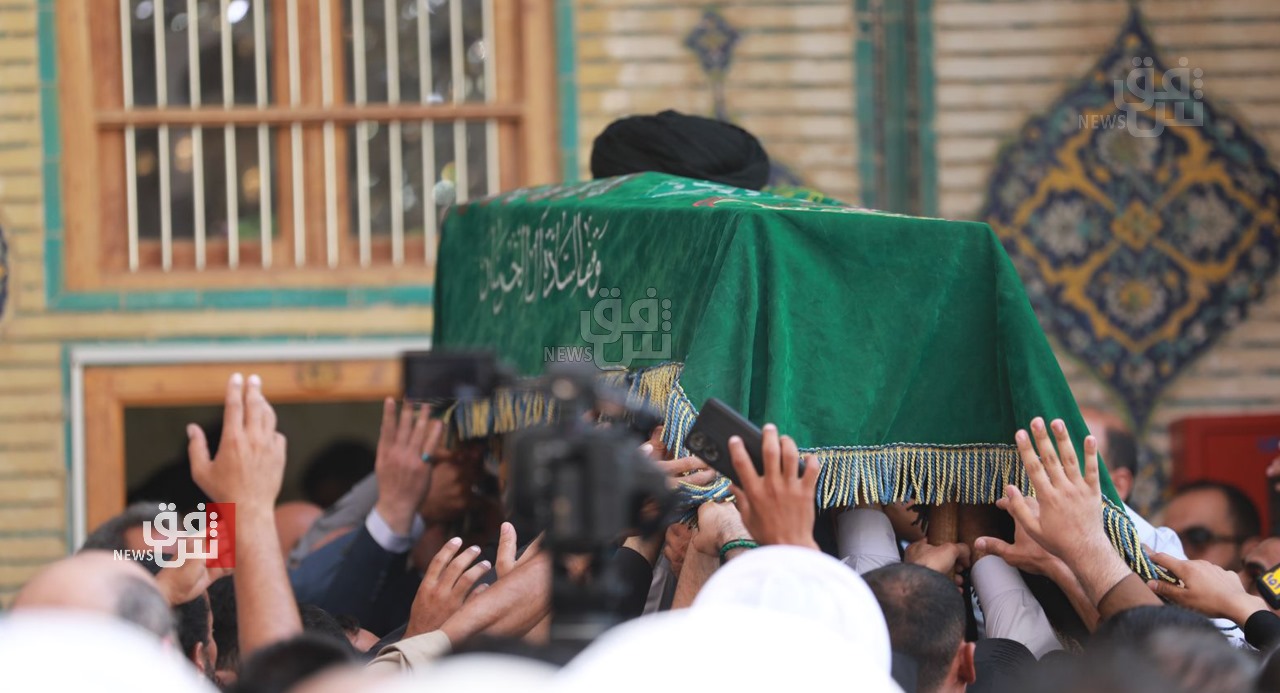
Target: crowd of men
<point x="413" y="581"/>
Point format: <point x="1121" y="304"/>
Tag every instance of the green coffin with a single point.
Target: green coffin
<point x="903" y="352"/>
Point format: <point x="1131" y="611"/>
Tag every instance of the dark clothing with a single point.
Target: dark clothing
<point x="1262" y="630"/>
<point x="636" y="573"/>
<point x="682" y="145"/>
<point x="354" y="576"/>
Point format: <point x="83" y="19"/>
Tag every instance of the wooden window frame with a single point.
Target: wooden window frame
<point x="110" y="390"/>
<point x="93" y="120"/>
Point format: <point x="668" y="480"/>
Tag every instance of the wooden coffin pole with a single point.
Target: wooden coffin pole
<point x="944" y="524"/>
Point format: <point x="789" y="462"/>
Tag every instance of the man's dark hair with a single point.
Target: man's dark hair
<point x="226" y="626"/>
<point x="192" y="621"/>
<point x="319" y="622"/>
<point x="110" y="535"/>
<point x="1244" y="514"/>
<point x="926" y="618"/>
<point x="335" y="469"/>
<point x="1139" y="624"/>
<point x="1122" y="450"/>
<point x="282" y="665"/>
<point x="140" y="602"/>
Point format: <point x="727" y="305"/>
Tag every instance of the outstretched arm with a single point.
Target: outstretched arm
<point x="248" y="471"/>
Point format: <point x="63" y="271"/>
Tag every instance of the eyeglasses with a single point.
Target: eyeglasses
<point x="1203" y="537"/>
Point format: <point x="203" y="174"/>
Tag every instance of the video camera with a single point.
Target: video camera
<point x="583" y="483"/>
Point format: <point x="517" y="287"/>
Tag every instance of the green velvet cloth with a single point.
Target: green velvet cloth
<point x="902" y="350"/>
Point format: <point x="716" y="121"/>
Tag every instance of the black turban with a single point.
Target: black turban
<point x="682" y="145"/>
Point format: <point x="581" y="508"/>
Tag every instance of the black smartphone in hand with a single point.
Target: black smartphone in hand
<point x="708" y="439"/>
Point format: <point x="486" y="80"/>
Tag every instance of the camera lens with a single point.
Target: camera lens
<point x="697" y="441"/>
<point x="709" y="455"/>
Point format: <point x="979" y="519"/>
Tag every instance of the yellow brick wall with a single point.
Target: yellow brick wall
<point x="998" y="63"/>
<point x="791" y="82"/>
<point x="33" y="459"/>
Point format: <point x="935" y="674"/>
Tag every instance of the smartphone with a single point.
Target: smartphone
<point x="708" y="439"/>
<point x="434" y="375"/>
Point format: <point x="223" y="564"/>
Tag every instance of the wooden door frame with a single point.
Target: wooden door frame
<point x="104" y="379"/>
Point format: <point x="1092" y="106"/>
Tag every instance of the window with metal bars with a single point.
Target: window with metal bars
<point x="302" y="142"/>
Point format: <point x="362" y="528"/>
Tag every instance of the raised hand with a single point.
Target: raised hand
<point x="1024" y="553"/>
<point x="1069" y="524"/>
<point x="507" y="545"/>
<point x="1207" y="588"/>
<point x="248" y="471"/>
<point x="779" y="506"/>
<point x="249" y="467"/>
<point x="448" y="580"/>
<point x="403" y="477"/>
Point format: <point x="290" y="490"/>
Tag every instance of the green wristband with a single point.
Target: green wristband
<point x="736" y="544"/>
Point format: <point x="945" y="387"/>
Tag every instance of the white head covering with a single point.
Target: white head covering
<point x="721" y="648"/>
<point x="805" y="584"/>
<point x="76" y="651"/>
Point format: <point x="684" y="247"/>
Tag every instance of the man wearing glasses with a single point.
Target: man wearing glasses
<point x="1216" y="522"/>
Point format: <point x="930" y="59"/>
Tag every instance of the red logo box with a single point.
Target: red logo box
<point x="222" y="528"/>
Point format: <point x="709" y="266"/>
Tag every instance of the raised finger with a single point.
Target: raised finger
<point x="742" y="466"/>
<point x="1066" y="450"/>
<point x="233" y="407"/>
<point x="459" y="565"/>
<point x="771" y="450"/>
<point x="790" y="460"/>
<point x="1030" y="460"/>
<point x="419" y="432"/>
<point x="405" y="428"/>
<point x="1048" y="455"/>
<point x="442" y="558"/>
<point x="255" y="405"/>
<point x="1091" y="476"/>
<point x="387" y="433"/>
<point x="468" y="578"/>
<point x="506" y="557"/>
<point x="812" y="467"/>
<point x="435" y="430"/>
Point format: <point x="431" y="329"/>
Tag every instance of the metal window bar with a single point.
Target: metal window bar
<point x="197" y="132"/>
<point x="490" y="96"/>
<point x="362" y="134"/>
<point x="130" y="135"/>
<point x="390" y="15"/>
<point x="264" y="156"/>
<point x="460" y="176"/>
<point x="295" y="146"/>
<point x="229" y="144"/>
<point x="426" y="88"/>
<point x="162" y="100"/>
<point x="330" y="145"/>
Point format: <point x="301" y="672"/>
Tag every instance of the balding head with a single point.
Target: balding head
<point x="93" y="581"/>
